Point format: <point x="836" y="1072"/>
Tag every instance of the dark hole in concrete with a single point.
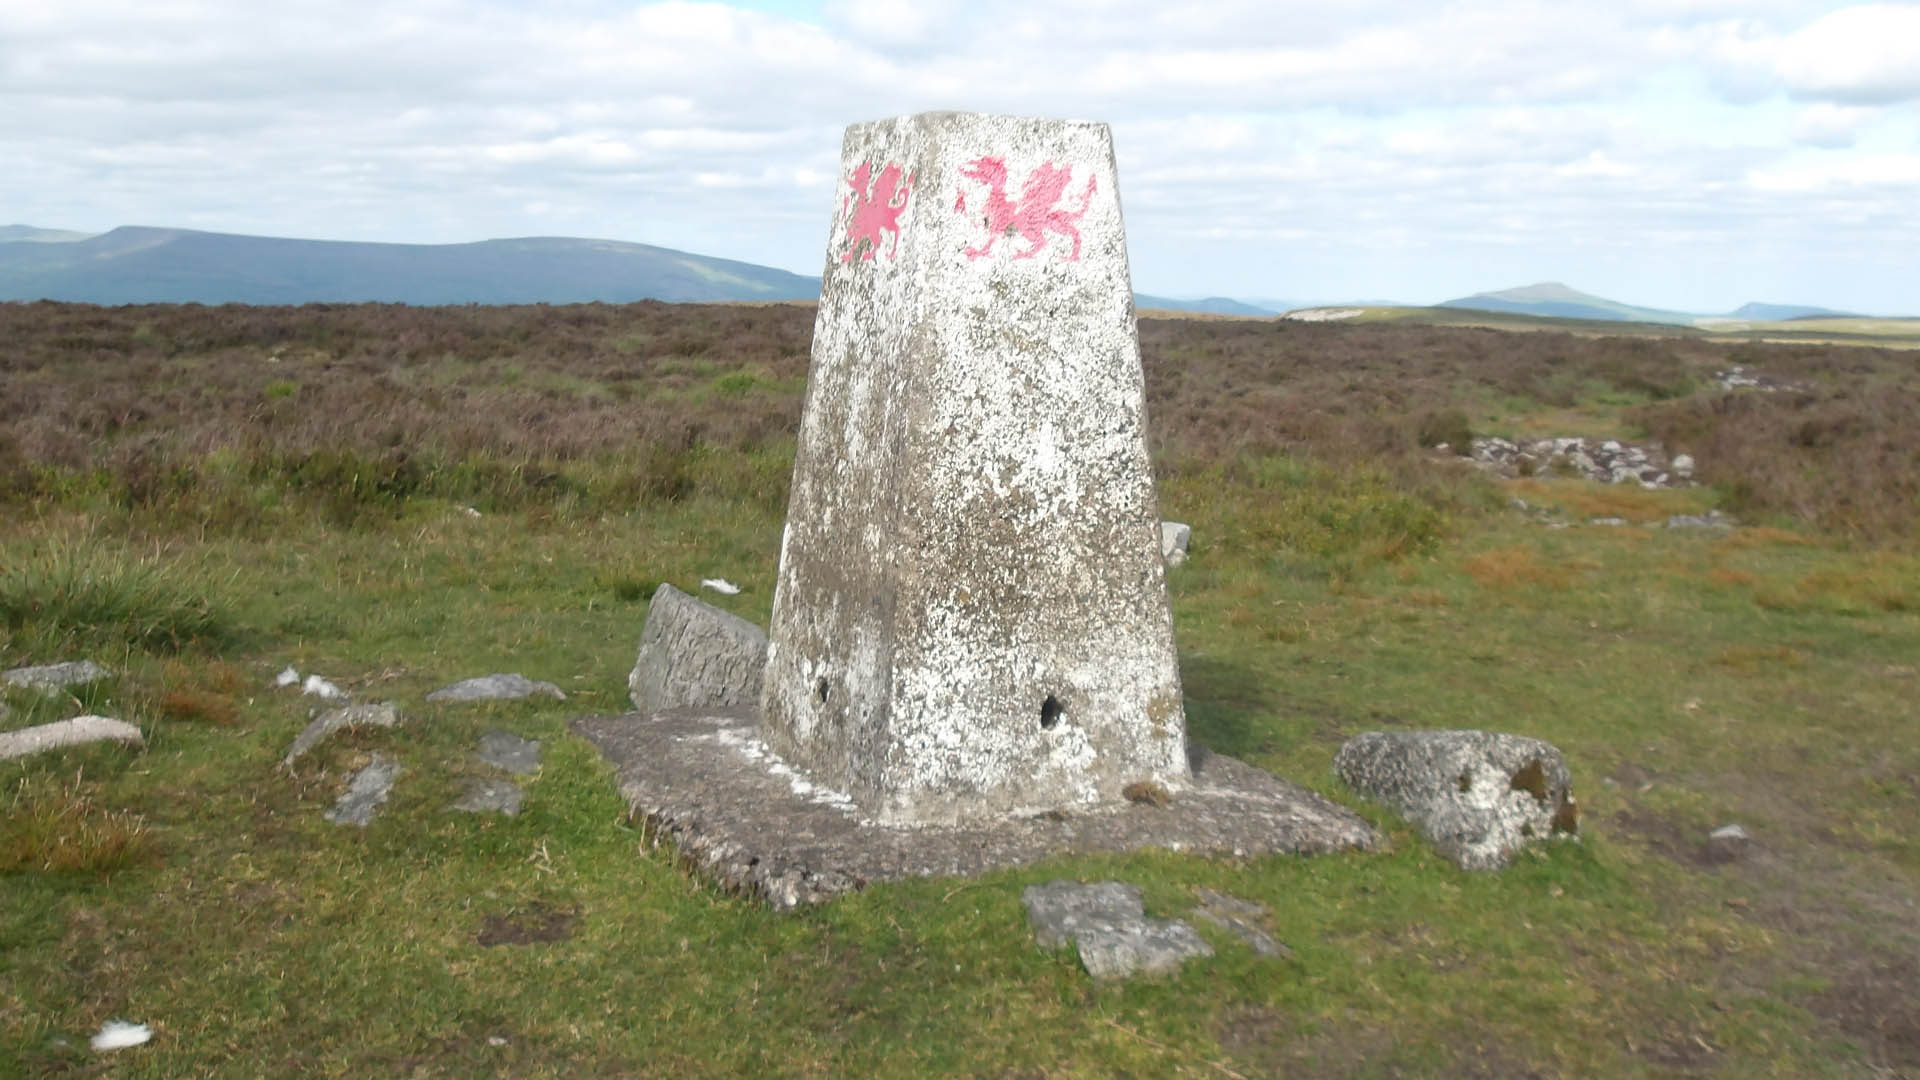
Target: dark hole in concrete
<point x="1050" y="711"/>
<point x="820" y="691"/>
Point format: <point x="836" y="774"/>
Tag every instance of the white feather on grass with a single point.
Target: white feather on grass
<point x="720" y="585"/>
<point x="118" y="1035"/>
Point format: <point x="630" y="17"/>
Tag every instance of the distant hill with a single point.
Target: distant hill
<point x="136" y="264"/>
<point x="31" y="235"/>
<point x="1215" y="305"/>
<point x="1758" y="312"/>
<point x="1555" y="300"/>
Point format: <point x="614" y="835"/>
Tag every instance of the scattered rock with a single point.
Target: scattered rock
<point x="720" y="585"/>
<point x="53" y="678"/>
<point x="1608" y="521"/>
<point x="484" y="796"/>
<point x="287" y="677"/>
<point x="315" y="686"/>
<point x="383" y="714"/>
<point x="1241" y="918"/>
<point x="1107" y="923"/>
<point x="1712" y="519"/>
<point x="693" y="654"/>
<point x="1607" y="462"/>
<point x="1479" y="796"/>
<point x="496" y="688"/>
<point x="505" y="750"/>
<point x="1739" y="378"/>
<point x="366" y="792"/>
<point x="1173" y="542"/>
<point x="75" y="732"/>
<point x="1728" y="843"/>
<point x="1682" y="465"/>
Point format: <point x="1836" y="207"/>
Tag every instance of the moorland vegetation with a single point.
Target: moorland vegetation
<point x="400" y="497"/>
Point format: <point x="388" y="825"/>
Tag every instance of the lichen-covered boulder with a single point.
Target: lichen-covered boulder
<point x="1480" y="796"/>
<point x="694" y="655"/>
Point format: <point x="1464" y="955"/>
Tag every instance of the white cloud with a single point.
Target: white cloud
<point x="1864" y="55"/>
<point x="1829" y="125"/>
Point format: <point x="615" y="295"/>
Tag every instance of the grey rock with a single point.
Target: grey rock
<point x="1608" y="521"/>
<point x="1712" y="519"/>
<point x="694" y="655"/>
<point x="1241" y="918"/>
<point x="1150" y="947"/>
<point x="1735" y="833"/>
<point x="53" y="678"/>
<point x="366" y="793"/>
<point x="78" y="731"/>
<point x="1683" y="465"/>
<point x="1479" y="796"/>
<point x="1728" y="843"/>
<point x="1107" y="923"/>
<point x="505" y="750"/>
<point x="490" y="797"/>
<point x="383" y="714"/>
<point x="512" y="687"/>
<point x="1174" y="538"/>
<point x="1060" y="910"/>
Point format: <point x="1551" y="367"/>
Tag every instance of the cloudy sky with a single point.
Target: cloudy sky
<point x="1689" y="154"/>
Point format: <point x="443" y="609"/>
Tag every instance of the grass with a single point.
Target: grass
<point x="1760" y="675"/>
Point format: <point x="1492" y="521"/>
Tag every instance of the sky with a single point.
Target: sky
<point x="1683" y="154"/>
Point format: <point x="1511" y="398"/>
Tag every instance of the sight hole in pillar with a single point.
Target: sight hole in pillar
<point x="1050" y="712"/>
<point x="820" y="691"/>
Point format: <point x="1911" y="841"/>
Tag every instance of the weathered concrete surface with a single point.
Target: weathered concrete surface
<point x="1108" y="925"/>
<point x="366" y="793"/>
<point x="512" y="687"/>
<point x="1480" y="796"/>
<point x="694" y="655"/>
<point x="706" y="782"/>
<point x="53" y="678"/>
<point x="75" y="732"/>
<point x="384" y="714"/>
<point x="971" y="615"/>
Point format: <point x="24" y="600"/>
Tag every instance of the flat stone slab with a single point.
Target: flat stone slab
<point x="505" y="750"/>
<point x="75" y="732"/>
<point x="706" y="781"/>
<point x="53" y="678"/>
<point x="366" y="793"/>
<point x="383" y="714"/>
<point x="1108" y="925"/>
<point x="490" y="797"/>
<point x="512" y="687"/>
<point x="1241" y="918"/>
<point x="695" y="656"/>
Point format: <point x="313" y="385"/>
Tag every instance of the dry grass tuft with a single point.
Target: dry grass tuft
<point x="1508" y="568"/>
<point x="52" y="825"/>
<point x="1760" y="657"/>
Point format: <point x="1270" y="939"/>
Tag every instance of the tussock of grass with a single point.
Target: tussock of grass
<point x="56" y="825"/>
<point x="77" y="595"/>
<point x="1512" y="567"/>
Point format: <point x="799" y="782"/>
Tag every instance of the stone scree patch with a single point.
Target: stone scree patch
<point x="705" y="782"/>
<point x="1479" y="796"/>
<point x="53" y="678"/>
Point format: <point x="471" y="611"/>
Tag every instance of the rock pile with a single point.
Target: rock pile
<point x="1739" y="378"/>
<point x="1607" y="461"/>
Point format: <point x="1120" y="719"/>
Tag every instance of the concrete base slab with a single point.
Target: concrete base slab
<point x="705" y="781"/>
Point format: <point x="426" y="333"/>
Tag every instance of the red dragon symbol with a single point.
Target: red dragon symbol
<point x="1036" y="213"/>
<point x="875" y="206"/>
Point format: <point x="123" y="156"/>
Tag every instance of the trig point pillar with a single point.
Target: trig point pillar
<point x="971" y="617"/>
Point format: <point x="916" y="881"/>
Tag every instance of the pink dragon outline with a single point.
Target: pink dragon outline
<point x="874" y="209"/>
<point x="1035" y="214"/>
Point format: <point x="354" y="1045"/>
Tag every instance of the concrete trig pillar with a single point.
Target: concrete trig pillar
<point x="971" y="616"/>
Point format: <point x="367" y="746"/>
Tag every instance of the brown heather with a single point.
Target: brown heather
<point x="215" y="416"/>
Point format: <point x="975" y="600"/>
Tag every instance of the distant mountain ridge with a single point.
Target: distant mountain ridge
<point x="1554" y="300"/>
<point x="138" y="264"/>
